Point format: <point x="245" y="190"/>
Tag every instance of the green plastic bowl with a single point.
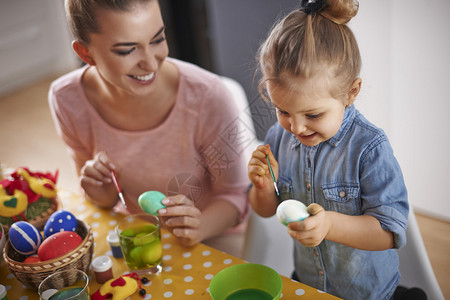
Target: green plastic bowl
<point x="246" y="281"/>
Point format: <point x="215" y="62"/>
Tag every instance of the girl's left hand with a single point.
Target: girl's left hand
<point x="313" y="230"/>
<point x="182" y="219"/>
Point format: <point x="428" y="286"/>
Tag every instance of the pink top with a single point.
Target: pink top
<point x="195" y="152"/>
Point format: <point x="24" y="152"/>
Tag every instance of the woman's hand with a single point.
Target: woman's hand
<point x="96" y="180"/>
<point x="258" y="168"/>
<point x="182" y="218"/>
<point x="313" y="230"/>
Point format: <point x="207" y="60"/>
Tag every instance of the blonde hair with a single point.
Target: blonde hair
<point x="305" y="44"/>
<point x="81" y="15"/>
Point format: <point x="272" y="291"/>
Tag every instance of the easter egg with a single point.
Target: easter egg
<point x="151" y="253"/>
<point x="24" y="237"/>
<point x="58" y="244"/>
<point x="60" y="220"/>
<point x="32" y="259"/>
<point x="150" y="202"/>
<point x="291" y="211"/>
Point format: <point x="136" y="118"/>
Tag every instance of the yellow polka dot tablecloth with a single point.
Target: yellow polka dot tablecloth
<point x="186" y="273"/>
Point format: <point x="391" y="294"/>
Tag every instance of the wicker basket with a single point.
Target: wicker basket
<point x="32" y="274"/>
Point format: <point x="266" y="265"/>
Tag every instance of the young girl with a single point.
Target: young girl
<point x="325" y="154"/>
<point x="158" y="122"/>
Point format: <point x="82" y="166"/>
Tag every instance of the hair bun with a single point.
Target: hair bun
<point x="310" y="7"/>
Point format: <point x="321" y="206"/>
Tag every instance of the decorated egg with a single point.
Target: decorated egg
<point x="32" y="259"/>
<point x="150" y="202"/>
<point x="58" y="244"/>
<point x="60" y="220"/>
<point x="24" y="237"/>
<point x="291" y="211"/>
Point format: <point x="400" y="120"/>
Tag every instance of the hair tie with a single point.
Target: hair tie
<point x="311" y="7"/>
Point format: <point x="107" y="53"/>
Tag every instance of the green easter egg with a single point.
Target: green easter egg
<point x="143" y="238"/>
<point x="151" y="253"/>
<point x="136" y="255"/>
<point x="150" y="202"/>
<point x="128" y="233"/>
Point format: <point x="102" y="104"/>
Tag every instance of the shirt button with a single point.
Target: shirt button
<point x="308" y="187"/>
<point x="342" y="194"/>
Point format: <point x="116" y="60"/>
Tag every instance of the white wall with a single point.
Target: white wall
<point x="405" y="48"/>
<point x="34" y="42"/>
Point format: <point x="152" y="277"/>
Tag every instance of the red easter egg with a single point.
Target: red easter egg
<point x="32" y="259"/>
<point x="58" y="244"/>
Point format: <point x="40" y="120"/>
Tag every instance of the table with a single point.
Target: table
<point x="186" y="273"/>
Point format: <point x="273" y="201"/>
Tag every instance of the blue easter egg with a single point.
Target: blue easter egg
<point x="24" y="237"/>
<point x="60" y="220"/>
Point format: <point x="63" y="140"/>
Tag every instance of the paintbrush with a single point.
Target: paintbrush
<point x="116" y="183"/>
<point x="273" y="176"/>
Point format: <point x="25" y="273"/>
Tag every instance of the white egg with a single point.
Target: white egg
<point x="291" y="211"/>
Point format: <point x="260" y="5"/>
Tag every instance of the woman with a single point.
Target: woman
<point x="159" y="123"/>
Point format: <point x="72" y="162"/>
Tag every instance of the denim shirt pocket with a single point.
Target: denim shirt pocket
<point x="285" y="188"/>
<point x="342" y="198"/>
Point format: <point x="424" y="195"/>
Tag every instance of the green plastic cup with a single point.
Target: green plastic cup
<point x="246" y="281"/>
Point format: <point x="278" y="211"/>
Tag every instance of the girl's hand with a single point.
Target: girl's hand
<point x="258" y="168"/>
<point x="313" y="230"/>
<point x="181" y="218"/>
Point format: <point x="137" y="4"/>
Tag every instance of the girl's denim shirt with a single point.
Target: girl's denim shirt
<point x="353" y="173"/>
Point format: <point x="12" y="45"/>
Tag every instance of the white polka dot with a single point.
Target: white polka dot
<point x="147" y="296"/>
<point x="96" y="215"/>
<point x="23" y="298"/>
<point x="207" y="264"/>
<point x="166" y="235"/>
<point x="10" y="275"/>
<point x="188" y="278"/>
<point x="60" y="221"/>
<point x="61" y="229"/>
<point x="112" y="213"/>
<point x="187" y="267"/>
<point x="281" y="296"/>
<point x="209" y="276"/>
<point x="168" y="294"/>
<point x="187" y="254"/>
<point x="167" y="246"/>
<point x="95" y="234"/>
<point x="189" y="291"/>
<point x="227" y="261"/>
<point x="206" y="253"/>
<point x="167" y="281"/>
<point x="167" y="269"/>
<point x="51" y="229"/>
<point x="320" y="292"/>
<point x="81" y="208"/>
<point x="167" y="257"/>
<point x="69" y="217"/>
<point x="95" y="224"/>
<point x="112" y="222"/>
<point x="299" y="292"/>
